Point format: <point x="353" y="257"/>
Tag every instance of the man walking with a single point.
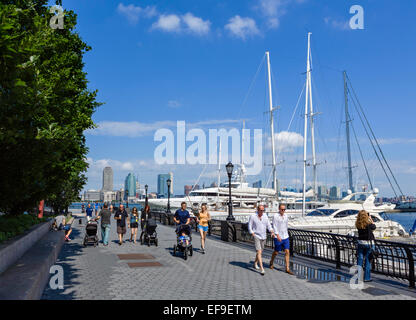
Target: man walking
<point x="258" y="224"/>
<point x="105" y="216"/>
<point x="89" y="211"/>
<point x="281" y="237"/>
<point x="121" y="216"/>
<point x="182" y="217"/>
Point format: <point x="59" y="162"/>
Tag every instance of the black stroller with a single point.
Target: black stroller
<point x="149" y="233"/>
<point x="181" y="245"/>
<point x="91" y="233"/>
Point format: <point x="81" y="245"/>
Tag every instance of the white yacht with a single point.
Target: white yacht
<point x="340" y="216"/>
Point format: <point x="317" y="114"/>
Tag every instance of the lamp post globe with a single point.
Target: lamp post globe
<point x="168" y="182"/>
<point x="229" y="167"/>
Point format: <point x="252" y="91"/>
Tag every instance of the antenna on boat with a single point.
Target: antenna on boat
<point x="272" y="124"/>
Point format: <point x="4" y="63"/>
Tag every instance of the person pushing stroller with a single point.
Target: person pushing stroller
<point x="182" y="218"/>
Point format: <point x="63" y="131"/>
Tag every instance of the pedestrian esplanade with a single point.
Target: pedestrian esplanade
<point x="225" y="271"/>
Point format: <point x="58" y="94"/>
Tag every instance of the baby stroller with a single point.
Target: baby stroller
<point x="150" y="234"/>
<point x="180" y="245"/>
<point x="91" y="233"/>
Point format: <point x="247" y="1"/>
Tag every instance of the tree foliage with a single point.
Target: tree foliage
<point x="45" y="107"/>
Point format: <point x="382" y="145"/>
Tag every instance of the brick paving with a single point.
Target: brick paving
<point x="225" y="272"/>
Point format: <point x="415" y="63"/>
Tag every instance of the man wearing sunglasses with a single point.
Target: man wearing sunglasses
<point x="281" y="237"/>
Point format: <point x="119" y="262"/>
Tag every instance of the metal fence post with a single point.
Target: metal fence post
<point x="291" y="250"/>
<point x="411" y="267"/>
<point x="337" y="252"/>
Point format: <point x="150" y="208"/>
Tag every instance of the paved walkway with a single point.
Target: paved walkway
<point x="225" y="272"/>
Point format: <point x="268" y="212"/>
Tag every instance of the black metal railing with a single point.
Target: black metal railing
<point x="393" y="259"/>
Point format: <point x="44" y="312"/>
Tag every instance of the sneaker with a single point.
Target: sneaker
<point x="256" y="266"/>
<point x="262" y="272"/>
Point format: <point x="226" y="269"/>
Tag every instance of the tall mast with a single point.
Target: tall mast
<point x="272" y="124"/>
<point x="347" y="124"/>
<point x="311" y="117"/>
<point x="308" y="96"/>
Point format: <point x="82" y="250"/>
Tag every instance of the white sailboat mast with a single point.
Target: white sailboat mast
<point x="308" y="96"/>
<point x="272" y="124"/>
<point x="311" y="117"/>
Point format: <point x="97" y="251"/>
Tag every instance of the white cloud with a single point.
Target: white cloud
<point x="242" y="27"/>
<point x="337" y="24"/>
<point x="187" y="23"/>
<point x="195" y="24"/>
<point x="273" y="10"/>
<point x="286" y="141"/>
<point x="168" y="23"/>
<point x="133" y="13"/>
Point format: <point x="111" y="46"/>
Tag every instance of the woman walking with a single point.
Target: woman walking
<point x="203" y="220"/>
<point x="365" y="247"/>
<point x="134" y="224"/>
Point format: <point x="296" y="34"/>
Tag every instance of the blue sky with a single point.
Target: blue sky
<point x="157" y="62"/>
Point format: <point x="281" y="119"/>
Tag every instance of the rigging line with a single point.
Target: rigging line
<point x="252" y="84"/>
<point x="378" y="145"/>
<point x="372" y="144"/>
<point x="296" y="108"/>
<point x="361" y="153"/>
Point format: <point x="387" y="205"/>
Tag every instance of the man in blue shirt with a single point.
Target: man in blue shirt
<point x="182" y="216"/>
<point x="89" y="211"/>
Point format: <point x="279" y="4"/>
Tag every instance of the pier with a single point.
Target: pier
<point x="135" y="271"/>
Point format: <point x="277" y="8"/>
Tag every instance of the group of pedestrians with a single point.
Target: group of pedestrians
<point x="123" y="219"/>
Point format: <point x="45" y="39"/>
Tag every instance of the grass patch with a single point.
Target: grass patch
<point x="12" y="226"/>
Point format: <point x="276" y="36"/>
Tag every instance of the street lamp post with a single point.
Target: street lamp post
<point x="145" y="188"/>
<point x="230" y="168"/>
<point x="168" y="183"/>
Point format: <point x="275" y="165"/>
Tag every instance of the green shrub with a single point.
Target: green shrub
<point x="11" y="226"/>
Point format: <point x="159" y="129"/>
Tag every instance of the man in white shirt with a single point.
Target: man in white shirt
<point x="281" y="234"/>
<point x="258" y="224"/>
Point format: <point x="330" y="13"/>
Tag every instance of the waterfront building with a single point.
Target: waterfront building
<point x="335" y="193"/>
<point x="107" y="179"/>
<point x="109" y="196"/>
<point x="214" y="185"/>
<point x="257" y="184"/>
<point x="162" y="187"/>
<point x="187" y="189"/>
<point x="130" y="186"/>
<point x="322" y="193"/>
<point x="92" y="195"/>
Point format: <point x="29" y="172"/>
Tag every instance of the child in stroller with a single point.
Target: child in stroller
<point x="91" y="233"/>
<point x="150" y="234"/>
<point x="183" y="241"/>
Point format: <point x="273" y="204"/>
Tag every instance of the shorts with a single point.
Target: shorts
<point x="134" y="225"/>
<point x="121" y="230"/>
<point x="281" y="245"/>
<point x="205" y="229"/>
<point x="259" y="244"/>
<point x="66" y="228"/>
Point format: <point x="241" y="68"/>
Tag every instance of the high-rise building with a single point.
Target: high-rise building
<point x="107" y="179"/>
<point x="322" y="192"/>
<point x="335" y="193"/>
<point x="130" y="186"/>
<point x="257" y="184"/>
<point x="187" y="189"/>
<point x="162" y="186"/>
<point x="213" y="185"/>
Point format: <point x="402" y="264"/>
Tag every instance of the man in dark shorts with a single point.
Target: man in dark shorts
<point x="182" y="217"/>
<point x="105" y="216"/>
<point x="121" y="216"/>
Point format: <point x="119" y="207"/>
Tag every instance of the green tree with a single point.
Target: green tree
<point x="45" y="107"/>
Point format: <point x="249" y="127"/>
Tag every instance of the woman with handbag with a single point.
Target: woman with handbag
<point x="365" y="247"/>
